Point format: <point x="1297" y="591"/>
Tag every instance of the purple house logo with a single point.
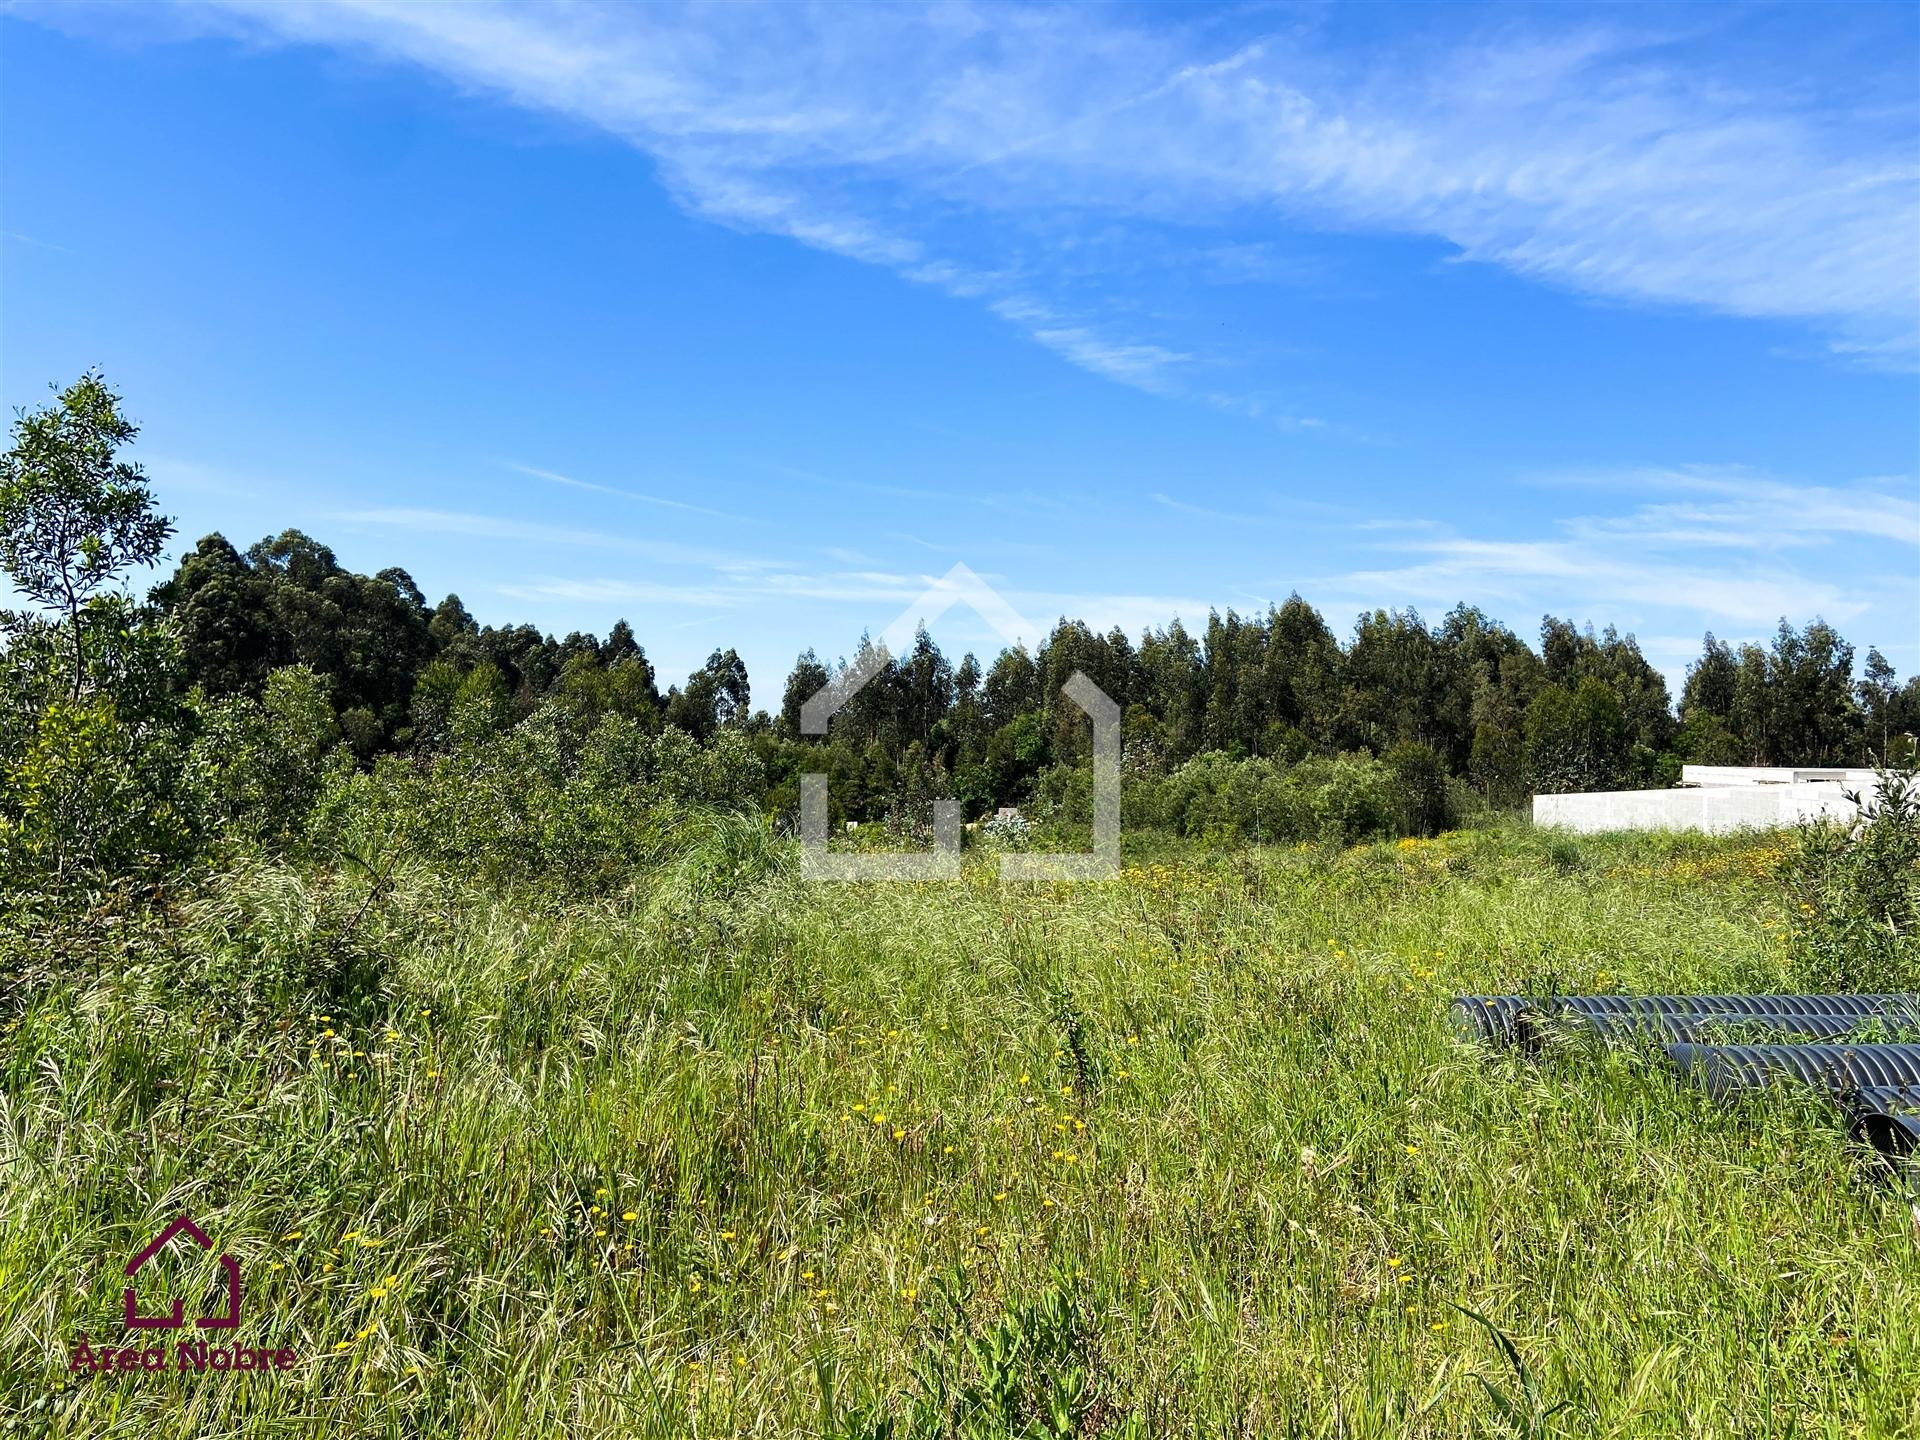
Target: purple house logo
<point x="183" y="1226"/>
<point x="188" y="1355"/>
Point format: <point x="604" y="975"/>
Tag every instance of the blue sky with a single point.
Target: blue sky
<point x="743" y="323"/>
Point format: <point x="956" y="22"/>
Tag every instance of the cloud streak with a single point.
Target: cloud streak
<point x="1650" y="559"/>
<point x="978" y="150"/>
<point x="553" y="477"/>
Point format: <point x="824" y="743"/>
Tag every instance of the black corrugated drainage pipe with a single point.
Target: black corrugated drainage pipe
<point x="1724" y="1069"/>
<point x="1887" y="1117"/>
<point x="1502" y="1019"/>
<point x="1760" y="1005"/>
<point x="1490" y="1019"/>
<point x="1721" y="1027"/>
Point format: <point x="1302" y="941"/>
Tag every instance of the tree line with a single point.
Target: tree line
<point x="1464" y="703"/>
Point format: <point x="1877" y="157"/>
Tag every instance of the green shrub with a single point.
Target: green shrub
<point x="1420" y="777"/>
<point x="1854" y="892"/>
<point x="262" y="763"/>
<point x="91" y="798"/>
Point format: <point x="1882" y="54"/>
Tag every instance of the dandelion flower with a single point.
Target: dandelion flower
<point x="629" y="1214"/>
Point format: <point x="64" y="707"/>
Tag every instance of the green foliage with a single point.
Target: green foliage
<point x="72" y="515"/>
<point x="1335" y="800"/>
<point x="264" y="762"/>
<point x="1420" y="780"/>
<point x="1030" y="1375"/>
<point x="546" y="802"/>
<point x="1793" y="703"/>
<point x="237" y="703"/>
<point x="1854" y="893"/>
<point x="1498" y="765"/>
<point x="1033" y="1373"/>
<point x="90" y="797"/>
<point x="1587" y="711"/>
<point x="1576" y="740"/>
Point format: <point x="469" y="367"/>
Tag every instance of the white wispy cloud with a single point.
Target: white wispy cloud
<point x="554" y="477"/>
<point x="1732" y="508"/>
<point x="1206" y="512"/>
<point x="977" y="149"/>
<point x="495" y="527"/>
<point x="1722" y="552"/>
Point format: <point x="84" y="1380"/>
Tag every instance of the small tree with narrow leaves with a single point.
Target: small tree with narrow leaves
<point x="73" y="515"/>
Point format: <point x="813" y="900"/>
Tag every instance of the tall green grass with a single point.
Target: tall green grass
<point x="1190" y="1152"/>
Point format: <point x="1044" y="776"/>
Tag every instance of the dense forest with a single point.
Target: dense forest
<point x="228" y="697"/>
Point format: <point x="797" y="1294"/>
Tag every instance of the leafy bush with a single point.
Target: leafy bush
<point x="1420" y="777"/>
<point x="1338" y="799"/>
<point x="1033" y="1373"/>
<point x="1855" y="895"/>
<point x="263" y="763"/>
<point x="91" y="797"/>
<point x="544" y="801"/>
<point x="1576" y="740"/>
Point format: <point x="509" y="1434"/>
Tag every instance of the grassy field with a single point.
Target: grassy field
<point x="1192" y="1152"/>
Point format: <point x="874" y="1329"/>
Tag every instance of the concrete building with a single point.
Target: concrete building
<point x="1716" y="799"/>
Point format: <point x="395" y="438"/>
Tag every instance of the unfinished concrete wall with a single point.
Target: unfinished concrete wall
<point x="1861" y="780"/>
<point x="1716" y="809"/>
